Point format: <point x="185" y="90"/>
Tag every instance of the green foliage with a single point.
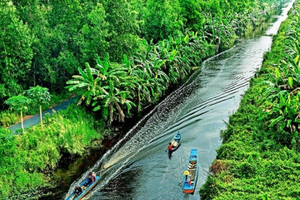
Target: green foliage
<point x="39" y="95"/>
<point x="50" y="40"/>
<point x="23" y="158"/>
<point x="123" y="28"/>
<point x="112" y="88"/>
<point x="15" y="51"/>
<point x="261" y="145"/>
<point x="8" y="118"/>
<point x="162" y="19"/>
<point x="60" y="36"/>
<point x="93" y="38"/>
<point x="18" y="103"/>
<point x="107" y="82"/>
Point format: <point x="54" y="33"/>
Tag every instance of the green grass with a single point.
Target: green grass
<point x="26" y="159"/>
<point x="260" y="154"/>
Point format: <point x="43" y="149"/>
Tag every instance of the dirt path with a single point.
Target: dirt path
<point x="32" y="120"/>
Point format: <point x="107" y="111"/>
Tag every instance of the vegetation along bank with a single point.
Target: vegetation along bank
<point x="260" y="154"/>
<point x="126" y="54"/>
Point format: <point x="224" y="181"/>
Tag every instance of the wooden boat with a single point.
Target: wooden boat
<point x="191" y="173"/>
<point x="176" y="141"/>
<point x="85" y="186"/>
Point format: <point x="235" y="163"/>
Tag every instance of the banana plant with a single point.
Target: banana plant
<point x="87" y="84"/>
<point x="144" y="84"/>
<point x="112" y="103"/>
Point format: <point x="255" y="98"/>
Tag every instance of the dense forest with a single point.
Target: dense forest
<point x="119" y="57"/>
<point x="45" y="42"/>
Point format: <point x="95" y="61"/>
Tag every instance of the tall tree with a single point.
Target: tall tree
<point x="191" y="12"/>
<point x="35" y="15"/>
<point x="162" y="19"/>
<point x="86" y="84"/>
<point x="65" y="20"/>
<point x="15" y="51"/>
<point x="40" y="96"/>
<point x="111" y="103"/>
<point x="117" y="81"/>
<point x="19" y="103"/>
<point x="123" y="29"/>
<point x="92" y="39"/>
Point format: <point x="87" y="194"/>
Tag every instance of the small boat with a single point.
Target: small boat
<point x="85" y="186"/>
<point x="175" y="142"/>
<point x="191" y="173"/>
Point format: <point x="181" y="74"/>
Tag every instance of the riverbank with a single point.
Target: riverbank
<point x="259" y="157"/>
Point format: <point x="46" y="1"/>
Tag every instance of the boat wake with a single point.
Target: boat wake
<point x="198" y="110"/>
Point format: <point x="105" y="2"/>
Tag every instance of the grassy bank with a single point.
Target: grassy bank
<point x="28" y="159"/>
<point x="260" y="154"/>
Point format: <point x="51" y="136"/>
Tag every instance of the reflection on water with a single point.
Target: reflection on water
<point x="138" y="167"/>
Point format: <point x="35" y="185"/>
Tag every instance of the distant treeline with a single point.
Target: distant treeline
<point x="44" y="42"/>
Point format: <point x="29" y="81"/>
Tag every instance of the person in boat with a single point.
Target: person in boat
<point x="170" y="150"/>
<point x="192" y="166"/>
<point x="186" y="173"/>
<point x="78" y="191"/>
<point x="187" y="177"/>
<point x="92" y="178"/>
<point x="174" y="143"/>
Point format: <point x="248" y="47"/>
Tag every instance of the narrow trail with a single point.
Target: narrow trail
<point x="35" y="119"/>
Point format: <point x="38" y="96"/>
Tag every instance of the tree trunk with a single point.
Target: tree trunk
<point x="22" y="121"/>
<point x="41" y="117"/>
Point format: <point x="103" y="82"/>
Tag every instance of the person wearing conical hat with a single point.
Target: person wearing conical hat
<point x="186" y="173"/>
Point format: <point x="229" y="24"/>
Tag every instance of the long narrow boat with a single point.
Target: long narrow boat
<point x="85" y="186"/>
<point x="191" y="173"/>
<point x="176" y="141"/>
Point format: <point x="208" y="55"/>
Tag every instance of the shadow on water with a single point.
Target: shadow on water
<point x="137" y="167"/>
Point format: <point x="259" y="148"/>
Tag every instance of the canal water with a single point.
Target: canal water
<point x="138" y="167"/>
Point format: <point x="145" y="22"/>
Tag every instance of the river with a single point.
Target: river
<point x="138" y="167"/>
